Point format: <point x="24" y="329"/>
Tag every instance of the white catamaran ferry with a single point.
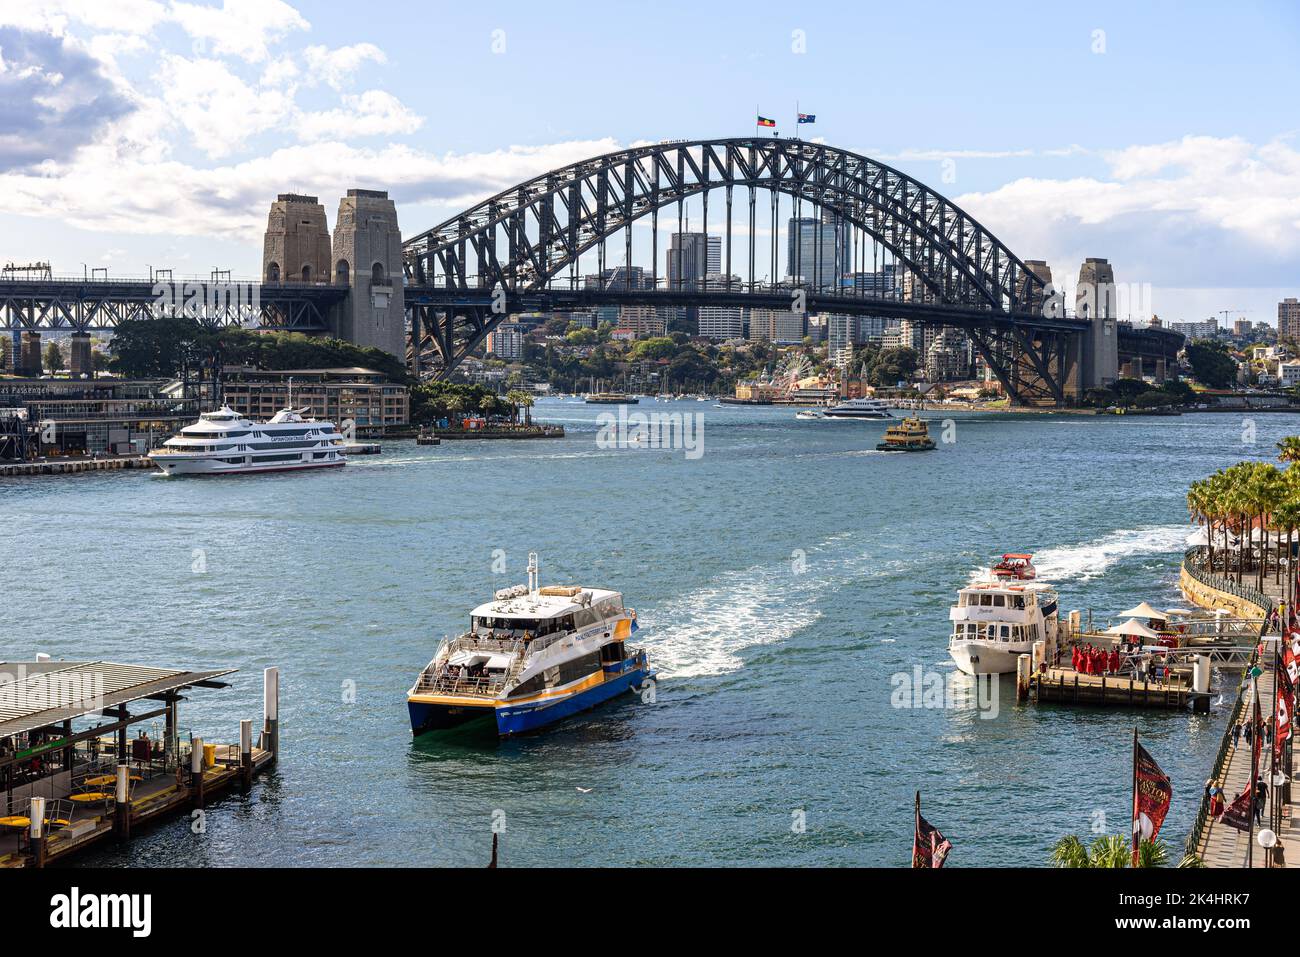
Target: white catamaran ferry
<point x="532" y="656"/>
<point x="994" y="622"/>
<point x="225" y="443"/>
<point x="860" y="409"/>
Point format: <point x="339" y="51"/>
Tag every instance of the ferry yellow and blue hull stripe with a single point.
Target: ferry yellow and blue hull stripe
<point x="538" y="711"/>
<point x="430" y="712"/>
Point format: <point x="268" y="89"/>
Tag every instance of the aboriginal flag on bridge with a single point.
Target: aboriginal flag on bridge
<point x="1152" y="794"/>
<point x="929" y="847"/>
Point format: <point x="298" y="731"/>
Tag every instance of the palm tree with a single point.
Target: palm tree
<point x="520" y="399"/>
<point x="454" y="405"/>
<point x="1288" y="450"/>
<point x="1069" y="851"/>
<point x="1200" y="504"/>
<point x="1109" y="851"/>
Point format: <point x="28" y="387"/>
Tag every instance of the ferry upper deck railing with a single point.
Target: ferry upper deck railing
<point x="450" y="682"/>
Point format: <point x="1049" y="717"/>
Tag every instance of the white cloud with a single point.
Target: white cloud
<point x="337" y="66"/>
<point x="372" y="113"/>
<point x="55" y="16"/>
<point x="241" y="28"/>
<point x="219" y="110"/>
<point x="117" y="188"/>
<point x="1185" y="213"/>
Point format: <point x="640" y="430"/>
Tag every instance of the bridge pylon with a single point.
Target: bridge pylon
<point x="368" y="259"/>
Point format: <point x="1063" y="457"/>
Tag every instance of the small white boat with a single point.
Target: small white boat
<point x="808" y="414"/>
<point x="860" y="409"/>
<point x="995" y="622"/>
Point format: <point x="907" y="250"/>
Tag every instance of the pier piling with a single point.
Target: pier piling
<point x="36" y="815"/>
<point x="1024" y="667"/>
<point x="122" y="803"/>
<point x="196" y="771"/>
<point x="271" y="711"/>
<point x="246" y="754"/>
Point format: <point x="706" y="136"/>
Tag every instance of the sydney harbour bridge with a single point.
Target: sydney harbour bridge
<point x="571" y="240"/>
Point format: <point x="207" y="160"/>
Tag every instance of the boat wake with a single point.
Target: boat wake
<point x="1092" y="559"/>
<point x="703" y="633"/>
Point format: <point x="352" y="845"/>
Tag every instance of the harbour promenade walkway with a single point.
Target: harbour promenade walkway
<point x="1219" y="845"/>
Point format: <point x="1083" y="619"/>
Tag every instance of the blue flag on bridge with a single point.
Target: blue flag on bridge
<point x="807" y="117"/>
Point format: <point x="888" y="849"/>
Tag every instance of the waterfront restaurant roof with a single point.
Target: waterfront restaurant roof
<point x="37" y="694"/>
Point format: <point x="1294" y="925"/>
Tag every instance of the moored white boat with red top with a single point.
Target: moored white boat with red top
<point x="1017" y="566"/>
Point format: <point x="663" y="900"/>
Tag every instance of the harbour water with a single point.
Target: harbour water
<point x="790" y="579"/>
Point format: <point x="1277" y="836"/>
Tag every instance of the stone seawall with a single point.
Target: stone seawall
<point x="1209" y="597"/>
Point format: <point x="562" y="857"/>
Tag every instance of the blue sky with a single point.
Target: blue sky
<point x="1160" y="135"/>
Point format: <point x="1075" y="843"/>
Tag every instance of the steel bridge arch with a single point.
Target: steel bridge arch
<point x="546" y="225"/>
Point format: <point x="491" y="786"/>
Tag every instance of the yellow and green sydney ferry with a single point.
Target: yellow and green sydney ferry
<point x="532" y="656"/>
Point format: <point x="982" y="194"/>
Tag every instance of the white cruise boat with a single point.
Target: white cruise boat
<point x="531" y="657"/>
<point x="859" y="409"/>
<point x="994" y="622"/>
<point x="226" y="443"/>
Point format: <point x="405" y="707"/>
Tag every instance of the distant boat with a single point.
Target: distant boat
<point x="910" y="435"/>
<point x="610" y="398"/>
<point x="807" y="414"/>
<point x="227" y="443"/>
<point x="860" y="409"/>
<point x="1016" y="565"/>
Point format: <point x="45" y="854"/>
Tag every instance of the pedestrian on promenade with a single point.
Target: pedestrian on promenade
<point x="1236" y="734"/>
<point x="1216" y="802"/>
<point x="1261" y="798"/>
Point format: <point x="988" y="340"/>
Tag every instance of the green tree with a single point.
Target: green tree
<point x="53" y="357"/>
<point x="1108" y="851"/>
<point x="1288" y="450"/>
<point x="892" y="366"/>
<point x="662" y="347"/>
<point x="1212" y="364"/>
<point x="1129" y="389"/>
<point x="582" y="337"/>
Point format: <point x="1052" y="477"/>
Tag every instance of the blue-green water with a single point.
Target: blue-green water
<point x="777" y="690"/>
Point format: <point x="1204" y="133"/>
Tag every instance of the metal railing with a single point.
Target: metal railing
<point x="1193" y="559"/>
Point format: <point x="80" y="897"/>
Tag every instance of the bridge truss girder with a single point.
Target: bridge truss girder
<point x="520" y="241"/>
<point x="45" y="306"/>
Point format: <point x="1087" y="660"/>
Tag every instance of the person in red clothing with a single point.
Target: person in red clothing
<point x="1114" y="662"/>
<point x="1216" y="802"/>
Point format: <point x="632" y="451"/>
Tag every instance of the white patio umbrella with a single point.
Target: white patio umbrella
<point x="1146" y="612"/>
<point x="1132" y="627"/>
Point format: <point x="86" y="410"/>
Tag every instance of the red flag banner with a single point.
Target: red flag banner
<point x="1285" y="708"/>
<point x="929" y="847"/>
<point x="1152" y="793"/>
<point x="1238" y="814"/>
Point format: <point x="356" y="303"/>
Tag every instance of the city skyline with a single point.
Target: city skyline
<point x="201" y="114"/>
